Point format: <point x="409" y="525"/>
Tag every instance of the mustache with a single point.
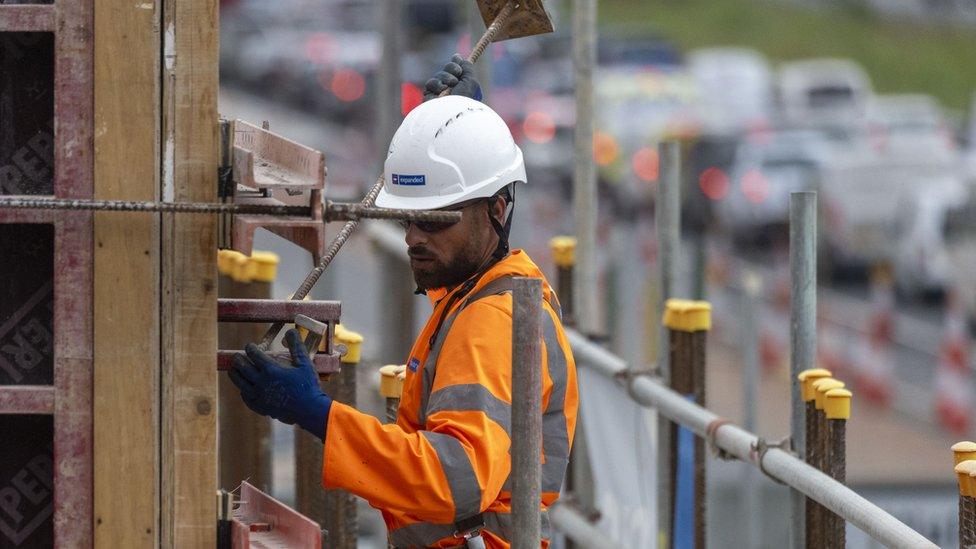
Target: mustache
<point x="421" y="251"/>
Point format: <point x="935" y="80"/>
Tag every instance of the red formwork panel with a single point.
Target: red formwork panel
<point x="45" y="319"/>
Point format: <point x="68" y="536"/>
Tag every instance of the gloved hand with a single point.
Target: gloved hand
<point x="458" y="76"/>
<point x="289" y="394"/>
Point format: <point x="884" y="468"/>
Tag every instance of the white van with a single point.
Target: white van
<point x="823" y="92"/>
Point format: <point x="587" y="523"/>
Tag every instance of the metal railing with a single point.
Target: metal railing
<point x="774" y="462"/>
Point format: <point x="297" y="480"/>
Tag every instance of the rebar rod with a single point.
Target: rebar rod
<point x="368" y="200"/>
<point x="497" y="25"/>
<point x="813" y="509"/>
<point x="333" y="211"/>
<point x="313" y="276"/>
<point x="834" y="529"/>
<point x="526" y="412"/>
<point x="967" y="521"/>
<point x="392" y="407"/>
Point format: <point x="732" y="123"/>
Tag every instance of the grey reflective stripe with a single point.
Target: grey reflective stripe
<point x="465" y="490"/>
<point x="499" y="285"/>
<point x="472" y="397"/>
<point x="555" y="439"/>
<point x="423" y="534"/>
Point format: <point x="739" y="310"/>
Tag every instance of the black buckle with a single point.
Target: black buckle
<point x="470" y="527"/>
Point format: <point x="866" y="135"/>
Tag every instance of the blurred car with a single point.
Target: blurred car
<point x="910" y="126"/>
<point x="922" y="265"/>
<point x="818" y="92"/>
<point x="881" y="209"/>
<point x="752" y="204"/>
<point x="734" y="89"/>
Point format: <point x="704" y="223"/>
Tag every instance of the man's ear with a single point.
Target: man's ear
<point x="496" y="209"/>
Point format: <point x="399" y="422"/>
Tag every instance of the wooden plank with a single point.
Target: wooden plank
<point x="126" y="285"/>
<point x="189" y="255"/>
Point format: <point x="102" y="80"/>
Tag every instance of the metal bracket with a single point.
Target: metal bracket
<point x="760" y="447"/>
<point x="321" y="315"/>
<point x="262" y="521"/>
<point x="267" y="168"/>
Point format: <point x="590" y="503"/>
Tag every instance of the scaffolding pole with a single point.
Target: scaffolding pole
<point x="526" y="412"/>
<point x="803" y="332"/>
<point x="586" y="307"/>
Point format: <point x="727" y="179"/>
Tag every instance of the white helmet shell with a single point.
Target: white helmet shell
<point x="448" y="150"/>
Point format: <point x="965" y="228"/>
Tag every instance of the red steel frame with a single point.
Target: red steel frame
<point x="70" y="399"/>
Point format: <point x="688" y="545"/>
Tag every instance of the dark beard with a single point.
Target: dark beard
<point x="457" y="271"/>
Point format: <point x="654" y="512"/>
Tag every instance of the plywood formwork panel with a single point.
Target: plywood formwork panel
<point x="126" y="286"/>
<point x="189" y="288"/>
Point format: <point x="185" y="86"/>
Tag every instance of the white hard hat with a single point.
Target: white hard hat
<point x="448" y="150"/>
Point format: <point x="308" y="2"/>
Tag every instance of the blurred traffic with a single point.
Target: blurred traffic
<point x="895" y="174"/>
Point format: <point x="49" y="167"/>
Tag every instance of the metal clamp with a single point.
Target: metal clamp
<point x="758" y="451"/>
<point x="710" y="432"/>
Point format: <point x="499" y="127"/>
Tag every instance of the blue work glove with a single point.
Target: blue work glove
<point x="457" y="76"/>
<point x="289" y="394"/>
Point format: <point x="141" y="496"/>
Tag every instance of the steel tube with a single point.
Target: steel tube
<point x="781" y="465"/>
<point x="803" y="330"/>
<point x="587" y="304"/>
<point x="526" y="412"/>
<point x="668" y="220"/>
<point x="574" y="525"/>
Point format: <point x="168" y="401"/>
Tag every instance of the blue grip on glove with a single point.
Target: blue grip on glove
<point x="458" y="76"/>
<point x="289" y="394"/>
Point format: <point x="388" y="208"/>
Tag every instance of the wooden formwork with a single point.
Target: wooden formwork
<point x="108" y="320"/>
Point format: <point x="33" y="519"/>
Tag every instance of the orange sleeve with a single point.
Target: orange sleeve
<point x="456" y="467"/>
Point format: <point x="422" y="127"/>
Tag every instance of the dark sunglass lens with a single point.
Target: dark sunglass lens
<point x="431" y="226"/>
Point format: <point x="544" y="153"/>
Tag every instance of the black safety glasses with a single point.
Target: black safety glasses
<point x="432" y="227"/>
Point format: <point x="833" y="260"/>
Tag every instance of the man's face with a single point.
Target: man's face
<point x="445" y="258"/>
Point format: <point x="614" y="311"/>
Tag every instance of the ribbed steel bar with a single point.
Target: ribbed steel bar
<point x="334" y="211"/>
<point x="499" y="23"/>
<point x="834" y="528"/>
<point x="313" y="276"/>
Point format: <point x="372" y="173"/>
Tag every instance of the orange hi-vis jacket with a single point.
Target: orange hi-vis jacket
<point x="447" y="458"/>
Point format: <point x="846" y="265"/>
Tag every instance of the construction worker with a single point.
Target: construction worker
<point x="441" y="474"/>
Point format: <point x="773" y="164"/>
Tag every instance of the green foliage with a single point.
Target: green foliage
<point x="901" y="56"/>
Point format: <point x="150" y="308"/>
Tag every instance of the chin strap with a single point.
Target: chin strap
<point x="503" y="230"/>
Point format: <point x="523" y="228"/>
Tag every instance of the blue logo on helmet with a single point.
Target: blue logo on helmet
<point x="414" y="180"/>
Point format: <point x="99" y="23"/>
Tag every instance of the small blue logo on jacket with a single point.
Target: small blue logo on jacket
<point x="404" y="179"/>
<point x="413" y="364"/>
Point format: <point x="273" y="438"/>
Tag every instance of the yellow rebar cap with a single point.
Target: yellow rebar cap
<point x="353" y="342"/>
<point x="965" y="473"/>
<point x="391" y="380"/>
<point x="263" y="266"/>
<point x="962" y="451"/>
<point x="227" y="261"/>
<point x="821" y="386"/>
<point x="806" y="379"/>
<point x="242" y="270"/>
<point x="685" y="315"/>
<point x="837" y="404"/>
<point x="563" y="250"/>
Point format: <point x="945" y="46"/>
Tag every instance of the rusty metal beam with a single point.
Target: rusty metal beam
<point x="27" y="18"/>
<point x="27" y="399"/>
<point x="275" y="310"/>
